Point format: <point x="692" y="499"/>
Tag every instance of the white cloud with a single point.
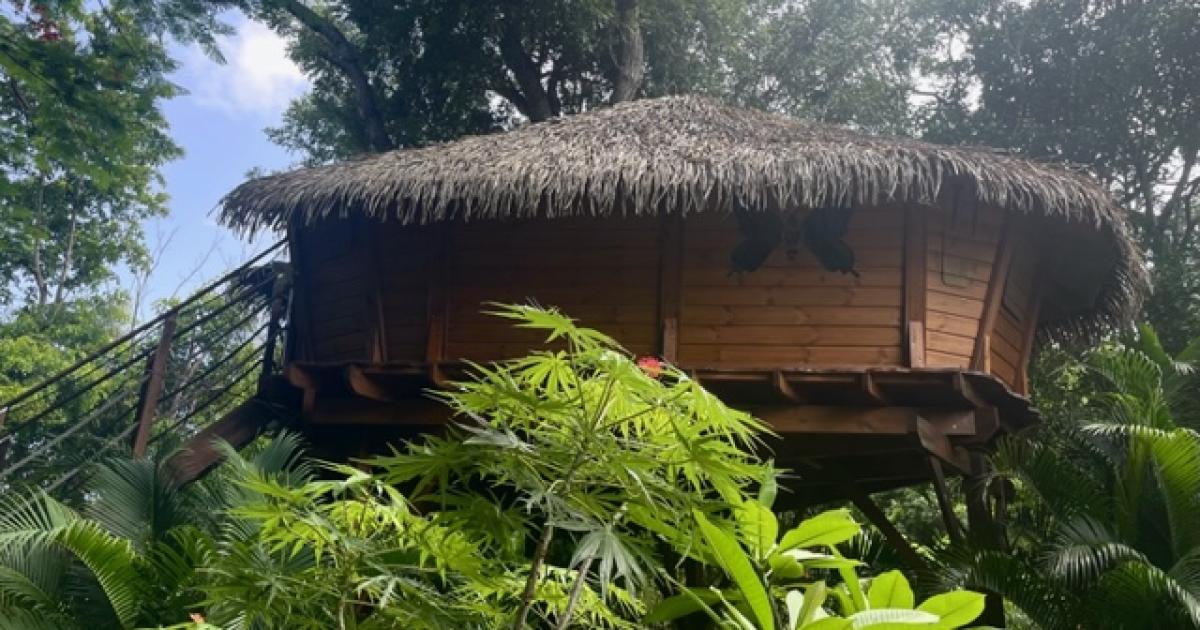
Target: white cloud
<point x="257" y="78"/>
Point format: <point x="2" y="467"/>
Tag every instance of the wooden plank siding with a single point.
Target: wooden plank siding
<point x="961" y="248"/>
<point x="1009" y="345"/>
<point x="601" y="272"/>
<point x="792" y="312"/>
<point x="338" y="290"/>
<point x="381" y="292"/>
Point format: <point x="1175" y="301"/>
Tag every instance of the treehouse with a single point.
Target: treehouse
<point x="874" y="300"/>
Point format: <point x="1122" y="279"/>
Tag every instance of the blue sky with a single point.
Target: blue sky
<point x="219" y="124"/>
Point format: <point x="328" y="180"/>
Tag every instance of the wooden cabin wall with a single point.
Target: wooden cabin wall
<point x="602" y="272"/>
<point x="791" y="312"/>
<point x="332" y="293"/>
<point x="383" y="293"/>
<point x="962" y="245"/>
<point x="1012" y="336"/>
<point x="407" y="265"/>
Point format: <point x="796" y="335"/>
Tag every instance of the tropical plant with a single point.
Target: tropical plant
<point x="131" y="556"/>
<point x="1104" y="529"/>
<point x="776" y="581"/>
<point x="591" y="456"/>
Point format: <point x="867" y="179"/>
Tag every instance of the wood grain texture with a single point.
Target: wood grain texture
<point x="915" y="287"/>
<point x="995" y="295"/>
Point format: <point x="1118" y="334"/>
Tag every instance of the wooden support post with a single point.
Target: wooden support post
<point x="916" y="259"/>
<point x="670" y="279"/>
<point x="985" y="532"/>
<point x="299" y="338"/>
<point x="1029" y="334"/>
<point x="949" y="518"/>
<point x="865" y="504"/>
<point x="152" y="389"/>
<point x="437" y="306"/>
<point x="280" y="289"/>
<point x="981" y="356"/>
<point x="375" y="316"/>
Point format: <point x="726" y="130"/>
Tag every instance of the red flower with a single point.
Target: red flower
<point x="651" y="366"/>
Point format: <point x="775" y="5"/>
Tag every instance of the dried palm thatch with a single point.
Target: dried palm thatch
<point x="691" y="154"/>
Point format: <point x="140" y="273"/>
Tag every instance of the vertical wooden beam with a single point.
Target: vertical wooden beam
<point x="981" y="356"/>
<point x="299" y="339"/>
<point x="916" y="259"/>
<point x="437" y="305"/>
<point x="1029" y="325"/>
<point x="152" y="389"/>
<point x="376" y="322"/>
<point x="276" y="310"/>
<point x="985" y="532"/>
<point x="670" y="280"/>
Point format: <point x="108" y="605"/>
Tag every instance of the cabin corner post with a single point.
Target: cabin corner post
<point x="982" y="352"/>
<point x="376" y="318"/>
<point x="670" y="281"/>
<point x="298" y="342"/>
<point x="438" y="301"/>
<point x="916" y="259"/>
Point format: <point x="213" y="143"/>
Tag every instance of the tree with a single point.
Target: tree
<point x="80" y="153"/>
<point x="1111" y="86"/>
<point x="416" y="72"/>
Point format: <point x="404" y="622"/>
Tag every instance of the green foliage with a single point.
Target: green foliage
<point x="433" y="71"/>
<point x="781" y="583"/>
<point x="1104" y="526"/>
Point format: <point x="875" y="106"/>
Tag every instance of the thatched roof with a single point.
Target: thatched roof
<point x="690" y="154"/>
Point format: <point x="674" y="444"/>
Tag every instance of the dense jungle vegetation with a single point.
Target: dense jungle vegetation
<point x="528" y="515"/>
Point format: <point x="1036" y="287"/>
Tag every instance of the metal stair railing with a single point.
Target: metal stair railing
<point x="153" y="387"/>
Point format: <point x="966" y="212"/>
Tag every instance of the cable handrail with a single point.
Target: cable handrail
<point x="186" y="376"/>
<point x="11" y="403"/>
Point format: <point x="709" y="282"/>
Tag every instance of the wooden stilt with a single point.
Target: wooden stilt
<point x="984" y="533"/>
<point x="866" y="505"/>
<point x="949" y="518"/>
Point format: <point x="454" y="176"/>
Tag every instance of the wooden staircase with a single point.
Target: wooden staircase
<point x="204" y="369"/>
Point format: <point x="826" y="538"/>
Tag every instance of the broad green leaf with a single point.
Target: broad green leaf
<point x="814" y="600"/>
<point x="681" y="605"/>
<point x="823" y="530"/>
<point x="813" y="560"/>
<point x="890" y="590"/>
<point x="735" y="563"/>
<point x="893" y="619"/>
<point x="829" y="623"/>
<point x="784" y="567"/>
<point x="769" y="488"/>
<point x="956" y="608"/>
<point x="853" y="586"/>
<point x="757" y="526"/>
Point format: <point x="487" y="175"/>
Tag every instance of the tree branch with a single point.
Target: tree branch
<point x="526" y="73"/>
<point x="344" y="56"/>
<point x="629" y="56"/>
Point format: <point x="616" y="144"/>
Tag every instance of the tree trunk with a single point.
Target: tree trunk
<point x="629" y="52"/>
<point x="533" y="101"/>
<point x="342" y="54"/>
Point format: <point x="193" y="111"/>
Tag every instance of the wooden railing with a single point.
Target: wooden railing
<point x="153" y="387"/>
